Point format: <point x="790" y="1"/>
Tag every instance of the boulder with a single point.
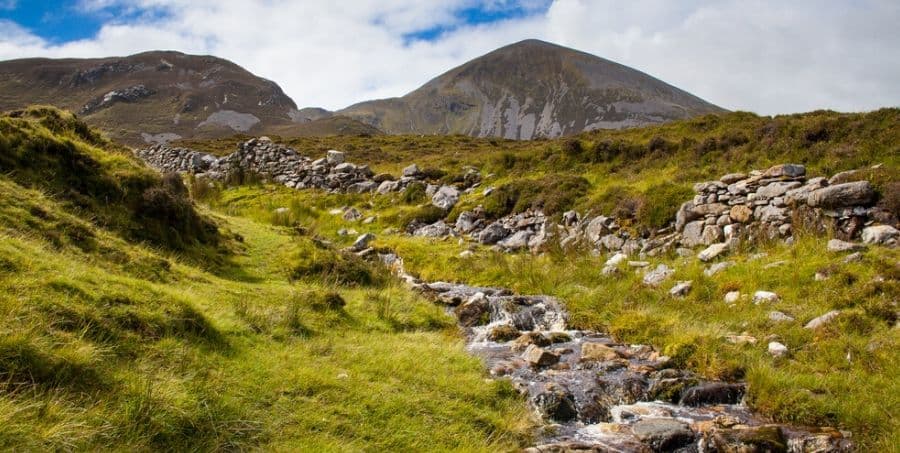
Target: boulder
<point x="334" y="157"/>
<point x="465" y="223"/>
<point x="881" y="234"/>
<point x="518" y="241"/>
<point x="492" y="234"/>
<point x="388" y="187"/>
<point x="554" y="403"/>
<point x="837" y="245"/>
<point x="597" y="228"/>
<point x="445" y="197"/>
<point x="657" y="276"/>
<point x="537" y="356"/>
<point x="822" y="320"/>
<point x="596" y="352"/>
<point x="712" y="252"/>
<point x="842" y="195"/>
<point x="777" y="349"/>
<point x="663" y="434"/>
<point x="411" y="171"/>
<point x="437" y="229"/>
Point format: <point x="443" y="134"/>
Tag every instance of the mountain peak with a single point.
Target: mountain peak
<point x="532" y="88"/>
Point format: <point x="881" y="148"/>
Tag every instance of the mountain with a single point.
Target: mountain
<point x="532" y="89"/>
<point x="152" y="96"/>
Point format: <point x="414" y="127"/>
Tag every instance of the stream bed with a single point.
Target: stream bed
<point x="593" y="394"/>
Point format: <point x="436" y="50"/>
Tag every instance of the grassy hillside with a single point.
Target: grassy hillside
<point x="841" y="375"/>
<point x="108" y="343"/>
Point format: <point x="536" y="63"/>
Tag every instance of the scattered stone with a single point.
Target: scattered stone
<point x="466" y="254"/>
<point x="822" y="320"/>
<point x="853" y="257"/>
<point x="712" y="252"/>
<point x="352" y="215"/>
<point x="492" y="234"/>
<point x="778" y="316"/>
<point x="741" y="339"/>
<point x="732" y="297"/>
<point x="638" y="263"/>
<point x="681" y="289"/>
<point x="539" y="357"/>
<point x="718" y="267"/>
<point x="775" y="264"/>
<point x="777" y="349"/>
<point x="362" y="242"/>
<point x="437" y="229"/>
<point x="655" y="277"/>
<point x="616" y="259"/>
<point x="764" y="296"/>
<point x="837" y="245"/>
<point x="881" y="234"/>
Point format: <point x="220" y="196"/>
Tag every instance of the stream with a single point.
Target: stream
<point x="594" y="394"/>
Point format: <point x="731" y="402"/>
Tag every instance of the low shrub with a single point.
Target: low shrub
<point x="551" y="194"/>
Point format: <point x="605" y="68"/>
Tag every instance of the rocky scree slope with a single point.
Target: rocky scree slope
<point x="532" y="89"/>
<point x="152" y="96"/>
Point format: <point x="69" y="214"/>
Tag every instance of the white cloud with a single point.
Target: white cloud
<point x="761" y="55"/>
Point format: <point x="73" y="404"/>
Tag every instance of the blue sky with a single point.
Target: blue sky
<point x="61" y="21"/>
<point x="766" y="56"/>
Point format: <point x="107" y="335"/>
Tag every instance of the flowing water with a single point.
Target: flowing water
<point x="594" y="394"/>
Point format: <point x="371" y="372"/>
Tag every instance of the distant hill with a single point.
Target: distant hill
<point x="532" y="89"/>
<point x="152" y="96"/>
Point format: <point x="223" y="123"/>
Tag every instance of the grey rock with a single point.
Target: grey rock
<point x="777" y="349"/>
<point x="837" y="245"/>
<point x="776" y="189"/>
<point x="362" y="242"/>
<point x="785" y="170"/>
<point x="732" y="178"/>
<point x="518" y="241"/>
<point x="778" y="316"/>
<point x="445" y="197"/>
<point x="663" y="434"/>
<point x="842" y="195"/>
<point x="657" y="276"/>
<point x="334" y="157"/>
<point x="692" y="235"/>
<point x="815" y="323"/>
<point x="717" y="267"/>
<point x="438" y="229"/>
<point x="712" y="234"/>
<point x="612" y="242"/>
<point x="492" y="234"/>
<point x="880" y="234"/>
<point x="538" y="357"/>
<point x="412" y="171"/>
<point x="681" y="289"/>
<point x="712" y="252"/>
<point x="764" y="296"/>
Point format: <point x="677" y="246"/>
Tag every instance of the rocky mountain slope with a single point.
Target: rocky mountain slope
<point x="532" y="89"/>
<point x="157" y="97"/>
